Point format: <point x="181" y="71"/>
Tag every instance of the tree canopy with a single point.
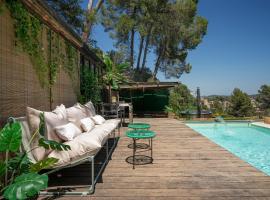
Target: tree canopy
<point x="264" y="98"/>
<point x="71" y="11"/>
<point x="168" y="28"/>
<point x="181" y="100"/>
<point x="241" y="105"/>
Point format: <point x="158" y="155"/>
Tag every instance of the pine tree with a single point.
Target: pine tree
<point x="241" y="105"/>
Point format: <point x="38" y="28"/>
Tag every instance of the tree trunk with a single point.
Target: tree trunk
<point x="140" y="52"/>
<point x="156" y="66"/>
<point x="88" y="24"/>
<point x="131" y="59"/>
<point x="146" y="47"/>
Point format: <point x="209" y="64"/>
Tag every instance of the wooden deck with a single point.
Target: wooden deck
<point x="186" y="166"/>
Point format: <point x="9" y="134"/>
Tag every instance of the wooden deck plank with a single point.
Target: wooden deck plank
<point x="186" y="166"/>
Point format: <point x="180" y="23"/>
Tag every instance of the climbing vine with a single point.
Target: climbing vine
<point x="72" y="55"/>
<point x="47" y="56"/>
<point x="54" y="58"/>
<point x="27" y="32"/>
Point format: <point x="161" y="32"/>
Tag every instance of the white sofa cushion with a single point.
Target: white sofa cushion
<point x="68" y="131"/>
<point x="82" y="145"/>
<point x="98" y="119"/>
<point x="52" y="119"/>
<point x="76" y="113"/>
<point x="87" y="124"/>
<point x="115" y="122"/>
<point x="102" y="132"/>
<point x="89" y="105"/>
<point x="61" y="111"/>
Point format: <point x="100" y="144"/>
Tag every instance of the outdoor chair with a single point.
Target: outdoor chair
<point x="112" y="111"/>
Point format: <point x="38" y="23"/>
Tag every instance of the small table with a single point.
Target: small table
<point x="137" y="126"/>
<point x="140" y="134"/>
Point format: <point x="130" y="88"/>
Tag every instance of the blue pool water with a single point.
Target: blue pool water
<point x="248" y="142"/>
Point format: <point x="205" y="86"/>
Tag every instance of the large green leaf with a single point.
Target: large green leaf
<point x="42" y="124"/>
<point x="2" y="168"/>
<point x="50" y="144"/>
<point x="10" y="137"/>
<point x="122" y="67"/>
<point x="20" y="163"/>
<point x="43" y="164"/>
<point x="26" y="185"/>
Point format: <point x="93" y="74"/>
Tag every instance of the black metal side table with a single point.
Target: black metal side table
<point x="136" y="135"/>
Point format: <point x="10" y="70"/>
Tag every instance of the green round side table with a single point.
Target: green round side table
<point x="140" y="134"/>
<point x="136" y="126"/>
<point x="139" y="126"/>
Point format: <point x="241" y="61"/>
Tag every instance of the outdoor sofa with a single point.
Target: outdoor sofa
<point x="84" y="145"/>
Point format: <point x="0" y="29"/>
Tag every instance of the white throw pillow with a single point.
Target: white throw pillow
<point x="98" y="119"/>
<point x="90" y="106"/>
<point x="87" y="124"/>
<point x="76" y="113"/>
<point x="61" y="111"/>
<point x="68" y="131"/>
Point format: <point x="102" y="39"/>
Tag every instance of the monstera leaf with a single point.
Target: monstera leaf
<point x="43" y="164"/>
<point x="20" y="163"/>
<point x="10" y="137"/>
<point x="42" y="124"/>
<point x="50" y="144"/>
<point x="26" y="185"/>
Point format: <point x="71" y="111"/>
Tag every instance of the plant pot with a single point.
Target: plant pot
<point x="267" y="120"/>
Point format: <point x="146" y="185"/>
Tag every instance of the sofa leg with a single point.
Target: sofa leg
<point x="107" y="151"/>
<point x="92" y="187"/>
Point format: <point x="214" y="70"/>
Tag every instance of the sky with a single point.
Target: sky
<point x="234" y="53"/>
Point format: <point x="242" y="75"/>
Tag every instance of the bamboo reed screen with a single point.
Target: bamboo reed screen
<point x="19" y="84"/>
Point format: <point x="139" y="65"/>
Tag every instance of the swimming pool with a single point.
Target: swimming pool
<point x="250" y="143"/>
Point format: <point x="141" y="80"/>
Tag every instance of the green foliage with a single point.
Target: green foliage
<point x="142" y="75"/>
<point x="43" y="164"/>
<point x="114" y="73"/>
<point x="19" y="180"/>
<point x="72" y="60"/>
<point x="50" y="144"/>
<point x="217" y="108"/>
<point x="90" y="87"/>
<point x="180" y="100"/>
<point x="241" y="105"/>
<point x="264" y="99"/>
<point x="10" y="137"/>
<point x="27" y="31"/>
<point x="20" y="163"/>
<point x="54" y="57"/>
<point x="70" y="10"/>
<point x="42" y="126"/>
<point x="2" y="169"/>
<point x="26" y="185"/>
<point x="170" y="28"/>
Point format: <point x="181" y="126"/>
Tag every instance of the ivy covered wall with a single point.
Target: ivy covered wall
<point x="38" y="67"/>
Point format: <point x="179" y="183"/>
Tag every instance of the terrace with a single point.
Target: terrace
<point x="186" y="166"/>
<point x="44" y="63"/>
